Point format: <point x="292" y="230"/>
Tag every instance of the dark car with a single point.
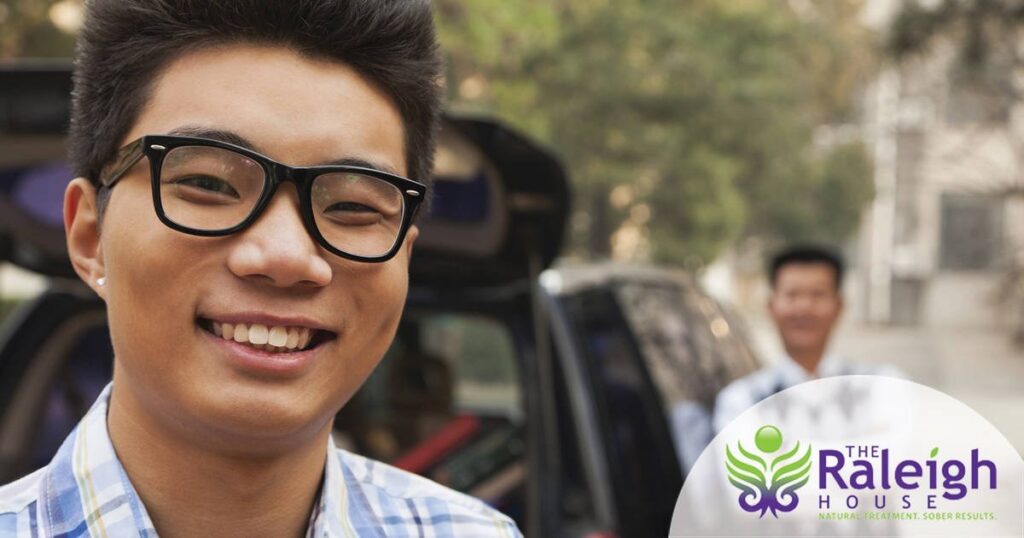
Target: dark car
<point x="549" y="393"/>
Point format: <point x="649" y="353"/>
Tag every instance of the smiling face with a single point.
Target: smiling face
<point x="172" y="296"/>
<point x="805" y="305"/>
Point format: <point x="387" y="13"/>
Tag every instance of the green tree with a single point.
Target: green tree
<point x="704" y="110"/>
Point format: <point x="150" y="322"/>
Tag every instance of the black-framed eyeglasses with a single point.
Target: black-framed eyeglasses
<point x="211" y="188"/>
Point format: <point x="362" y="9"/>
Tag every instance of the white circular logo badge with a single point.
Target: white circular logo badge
<point x="855" y="456"/>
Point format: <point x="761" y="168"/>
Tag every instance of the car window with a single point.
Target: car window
<point x="690" y="346"/>
<point x="666" y="337"/>
<point x="445" y="403"/>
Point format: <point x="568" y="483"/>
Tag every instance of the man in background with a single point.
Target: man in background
<point x="805" y="304"/>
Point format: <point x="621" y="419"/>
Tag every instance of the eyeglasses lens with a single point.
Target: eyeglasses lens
<point x="210" y="189"/>
<point x="357" y="213"/>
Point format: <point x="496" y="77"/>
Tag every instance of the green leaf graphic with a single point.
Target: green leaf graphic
<point x="792" y="466"/>
<point x="801" y="483"/>
<point x="793" y="471"/>
<point x="735" y="473"/>
<point x="741" y="470"/>
<point x="742" y="486"/>
<point x="802" y="473"/>
<point x="785" y="456"/>
<point x="773" y="489"/>
<point x="752" y="457"/>
<point x="935" y="452"/>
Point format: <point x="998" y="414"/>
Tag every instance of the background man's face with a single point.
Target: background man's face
<point x="805" y="305"/>
<point x="164" y="287"/>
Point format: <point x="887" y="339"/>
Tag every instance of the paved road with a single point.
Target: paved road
<point x="977" y="366"/>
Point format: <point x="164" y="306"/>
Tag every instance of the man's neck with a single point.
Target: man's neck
<point x="809" y="360"/>
<point x="192" y="491"/>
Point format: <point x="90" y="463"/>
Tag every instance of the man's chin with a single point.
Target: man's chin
<point x="254" y="424"/>
<point x="803" y="343"/>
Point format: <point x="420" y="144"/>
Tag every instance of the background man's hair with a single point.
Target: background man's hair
<point x="124" y="46"/>
<point x="807" y="254"/>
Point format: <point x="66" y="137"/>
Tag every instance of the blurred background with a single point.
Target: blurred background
<point x="703" y="135"/>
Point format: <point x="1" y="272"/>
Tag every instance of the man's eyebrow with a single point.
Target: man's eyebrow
<point x="363" y="163"/>
<point x="215" y="134"/>
<point x="239" y="140"/>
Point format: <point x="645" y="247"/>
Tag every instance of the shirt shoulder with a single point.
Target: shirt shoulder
<point x="744" y="392"/>
<point x="751" y="387"/>
<point x="881" y="369"/>
<point x="400" y="498"/>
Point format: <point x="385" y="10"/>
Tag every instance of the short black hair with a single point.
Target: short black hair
<point x="125" y="44"/>
<point x="807" y="254"/>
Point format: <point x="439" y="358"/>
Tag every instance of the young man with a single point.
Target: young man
<point x="243" y="210"/>
<point x="805" y="304"/>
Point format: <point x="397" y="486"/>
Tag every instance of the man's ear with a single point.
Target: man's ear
<point x="81" y="226"/>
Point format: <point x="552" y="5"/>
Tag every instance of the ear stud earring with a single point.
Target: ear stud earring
<point x="101" y="281"/>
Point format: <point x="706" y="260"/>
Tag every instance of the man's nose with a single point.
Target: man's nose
<point x="277" y="249"/>
<point x="800" y="304"/>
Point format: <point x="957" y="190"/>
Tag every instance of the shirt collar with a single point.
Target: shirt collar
<point x="342" y="510"/>
<point x="86" y="488"/>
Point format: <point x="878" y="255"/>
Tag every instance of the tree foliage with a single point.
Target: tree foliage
<point x="704" y="110"/>
<point x="981" y="28"/>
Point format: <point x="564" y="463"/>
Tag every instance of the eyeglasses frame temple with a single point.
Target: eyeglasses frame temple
<point x="127" y="158"/>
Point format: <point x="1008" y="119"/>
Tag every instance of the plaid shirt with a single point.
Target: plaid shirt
<point x="84" y="491"/>
<point x="744" y="392"/>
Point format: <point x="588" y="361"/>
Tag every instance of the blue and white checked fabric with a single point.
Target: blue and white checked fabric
<point x="84" y="491"/>
<point x="744" y="392"/>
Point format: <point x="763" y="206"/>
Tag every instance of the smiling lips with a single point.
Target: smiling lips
<point x="278" y="339"/>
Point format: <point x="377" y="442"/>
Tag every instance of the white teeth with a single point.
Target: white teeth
<point x="278" y="336"/>
<point x="258" y="334"/>
<point x="275" y="338"/>
<point x="241" y="333"/>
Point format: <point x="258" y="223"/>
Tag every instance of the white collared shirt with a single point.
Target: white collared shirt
<point x="746" y="391"/>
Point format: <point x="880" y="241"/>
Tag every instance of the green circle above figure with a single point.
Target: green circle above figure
<point x="768" y="439"/>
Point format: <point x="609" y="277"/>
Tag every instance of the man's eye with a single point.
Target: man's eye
<point x="353" y="213"/>
<point x="352" y="207"/>
<point x="208" y="184"/>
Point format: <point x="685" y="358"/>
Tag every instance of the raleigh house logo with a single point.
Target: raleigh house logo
<point x="855" y="455"/>
<point x="768" y="484"/>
